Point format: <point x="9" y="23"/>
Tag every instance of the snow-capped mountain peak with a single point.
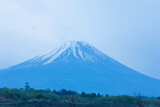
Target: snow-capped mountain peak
<point x="80" y="50"/>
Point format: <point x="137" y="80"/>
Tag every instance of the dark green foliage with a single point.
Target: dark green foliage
<point x="30" y="97"/>
<point x="158" y="97"/>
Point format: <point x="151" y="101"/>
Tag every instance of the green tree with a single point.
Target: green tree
<point x="27" y="87"/>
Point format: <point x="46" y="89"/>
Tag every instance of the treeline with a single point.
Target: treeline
<point x="29" y="97"/>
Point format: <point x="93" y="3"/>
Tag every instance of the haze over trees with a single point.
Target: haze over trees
<point x="29" y="97"/>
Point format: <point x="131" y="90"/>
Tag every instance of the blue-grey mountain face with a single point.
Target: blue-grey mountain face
<point x="81" y="67"/>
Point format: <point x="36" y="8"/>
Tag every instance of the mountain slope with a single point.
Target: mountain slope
<point x="79" y="66"/>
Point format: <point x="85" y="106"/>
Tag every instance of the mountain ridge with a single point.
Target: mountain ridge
<point x="79" y="66"/>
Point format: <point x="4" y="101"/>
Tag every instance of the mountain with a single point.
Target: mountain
<point x="78" y="66"/>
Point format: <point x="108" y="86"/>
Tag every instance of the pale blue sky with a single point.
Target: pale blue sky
<point x="126" y="30"/>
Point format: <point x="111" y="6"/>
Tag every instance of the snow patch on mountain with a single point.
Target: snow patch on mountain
<point x="81" y="54"/>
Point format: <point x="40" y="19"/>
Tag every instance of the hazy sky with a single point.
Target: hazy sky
<point x="126" y="30"/>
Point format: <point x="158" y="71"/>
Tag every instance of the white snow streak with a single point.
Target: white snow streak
<point x="81" y="54"/>
<point x="58" y="53"/>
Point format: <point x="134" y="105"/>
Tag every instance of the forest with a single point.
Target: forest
<point x="29" y="97"/>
